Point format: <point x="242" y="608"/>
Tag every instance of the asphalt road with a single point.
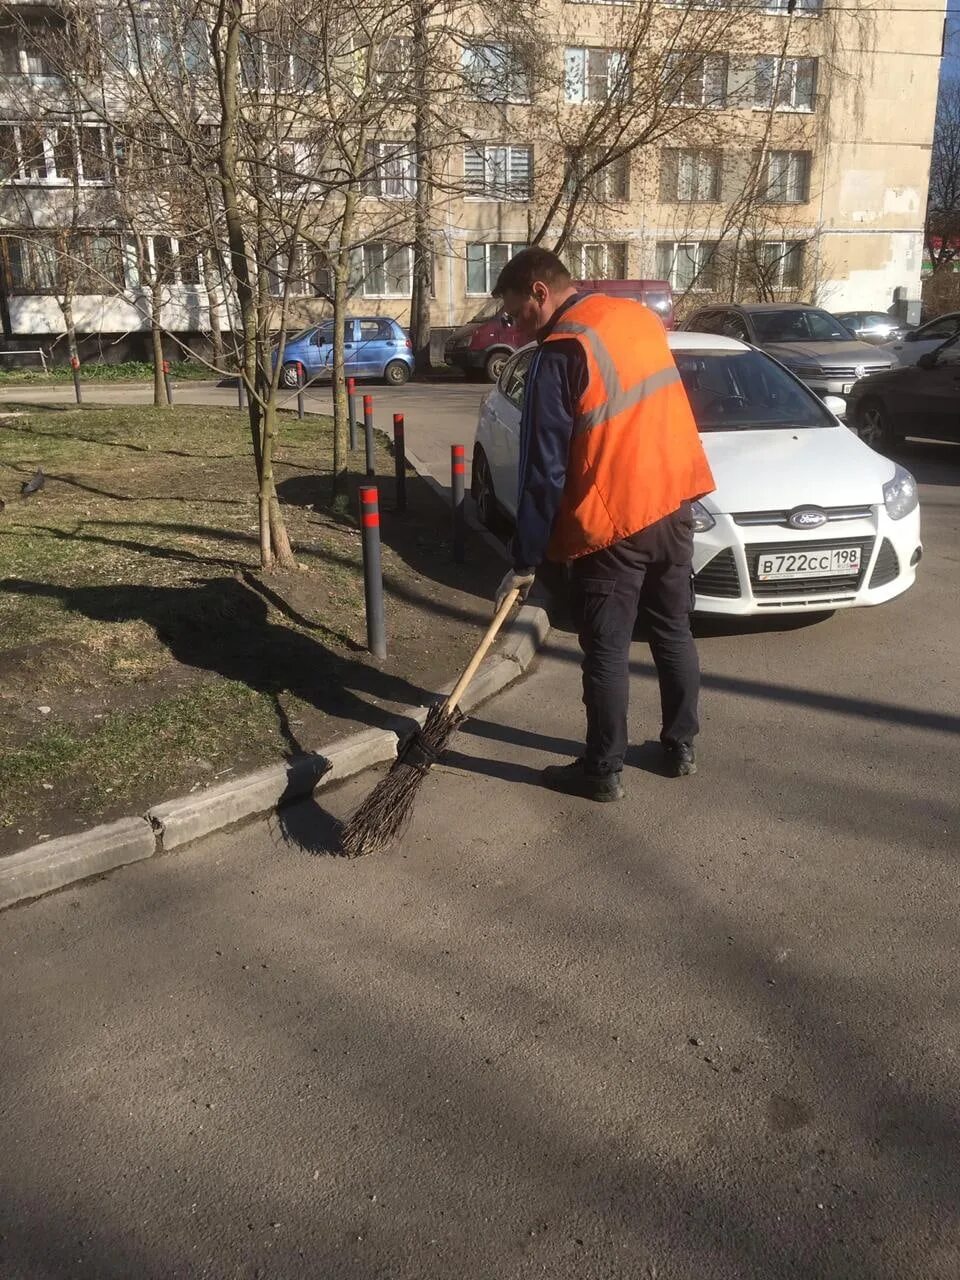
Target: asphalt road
<point x="436" y="415"/>
<point x="711" y="1033"/>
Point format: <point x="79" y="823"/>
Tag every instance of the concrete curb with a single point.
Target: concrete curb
<point x="165" y="827"/>
<point x="59" y="862"/>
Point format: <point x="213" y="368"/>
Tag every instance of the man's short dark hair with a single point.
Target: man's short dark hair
<point x="528" y="266"/>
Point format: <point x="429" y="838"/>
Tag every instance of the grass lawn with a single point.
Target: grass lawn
<point x="127" y="371"/>
<point x="141" y="653"/>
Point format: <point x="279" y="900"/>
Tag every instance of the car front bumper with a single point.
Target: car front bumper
<point x="725" y="564"/>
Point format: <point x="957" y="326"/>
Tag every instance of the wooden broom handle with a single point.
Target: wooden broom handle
<point x="490" y="635"/>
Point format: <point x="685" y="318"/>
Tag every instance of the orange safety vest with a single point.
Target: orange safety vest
<point x="635" y="455"/>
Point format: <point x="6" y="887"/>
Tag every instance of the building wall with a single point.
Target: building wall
<point x="868" y="137"/>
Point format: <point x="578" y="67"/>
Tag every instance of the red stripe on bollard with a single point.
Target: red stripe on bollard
<point x="457" y="482"/>
<point x="399" y="462"/>
<point x="372" y="571"/>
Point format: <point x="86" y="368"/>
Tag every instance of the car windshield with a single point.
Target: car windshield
<point x="489" y="311"/>
<point x="746" y="391"/>
<point x="798" y="325"/>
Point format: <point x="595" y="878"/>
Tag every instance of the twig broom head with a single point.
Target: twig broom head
<point x="382" y="817"/>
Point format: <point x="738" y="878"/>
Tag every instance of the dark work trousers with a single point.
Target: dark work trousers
<point x="649" y="573"/>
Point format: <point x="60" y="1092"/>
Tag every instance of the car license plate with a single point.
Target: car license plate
<point x="823" y="562"/>
<point x="847" y="388"/>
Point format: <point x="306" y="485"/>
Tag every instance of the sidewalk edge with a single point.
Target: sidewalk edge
<point x="43" y="868"/>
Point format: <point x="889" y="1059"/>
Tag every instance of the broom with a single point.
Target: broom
<point x="387" y="809"/>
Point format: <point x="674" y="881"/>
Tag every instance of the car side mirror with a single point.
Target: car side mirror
<point x="506" y="320"/>
<point x="928" y="360"/>
<point x="911" y="336"/>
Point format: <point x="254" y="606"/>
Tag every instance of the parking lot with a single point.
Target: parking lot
<point x="710" y="1032"/>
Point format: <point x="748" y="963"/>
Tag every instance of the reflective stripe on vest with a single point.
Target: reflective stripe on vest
<point x="619" y="398"/>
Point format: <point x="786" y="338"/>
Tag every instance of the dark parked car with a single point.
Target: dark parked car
<point x="921" y="399"/>
<point x="812" y="343"/>
<point x="872" y="326"/>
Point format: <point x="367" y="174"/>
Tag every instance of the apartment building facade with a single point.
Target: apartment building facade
<point x="789" y="159"/>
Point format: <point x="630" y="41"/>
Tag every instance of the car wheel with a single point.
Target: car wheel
<point x="488" y="508"/>
<point x="494" y="366"/>
<point x="290" y="376"/>
<point x="396" y="373"/>
<point x="874" y="426"/>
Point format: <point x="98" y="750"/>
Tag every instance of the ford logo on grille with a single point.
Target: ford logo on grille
<point x="807" y="518"/>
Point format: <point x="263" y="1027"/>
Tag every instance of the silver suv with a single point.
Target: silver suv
<point x="812" y="343"/>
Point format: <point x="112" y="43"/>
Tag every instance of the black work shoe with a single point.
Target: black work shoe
<point x="575" y="781"/>
<point x="680" y="758"/>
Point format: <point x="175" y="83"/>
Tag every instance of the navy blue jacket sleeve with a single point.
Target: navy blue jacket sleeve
<point x="557" y="379"/>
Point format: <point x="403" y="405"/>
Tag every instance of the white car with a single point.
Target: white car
<point x="928" y="337"/>
<point x="805" y="516"/>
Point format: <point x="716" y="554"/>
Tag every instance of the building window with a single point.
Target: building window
<point x="594" y="75"/>
<point x="31" y="264"/>
<point x="492" y="73"/>
<point x="787" y="177"/>
<point x="697" y="80"/>
<point x="498" y="172"/>
<point x="786" y="84"/>
<point x="597" y="261"/>
<point x="24" y="45"/>
<point x="484" y="264"/>
<point x="94" y="146"/>
<point x="391" y="170"/>
<point x="98" y="262"/>
<point x="810" y="8"/>
<point x="392" y="62"/>
<point x="783" y="264"/>
<point x="690" y="176"/>
<point x="688" y="265"/>
<point x="387" y="270"/>
<point x="590" y="177"/>
<point x="34" y="156"/>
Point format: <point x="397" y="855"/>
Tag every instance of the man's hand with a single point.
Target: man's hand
<point x="514" y="580"/>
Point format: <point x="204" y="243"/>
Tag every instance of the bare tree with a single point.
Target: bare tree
<point x="943" y="203"/>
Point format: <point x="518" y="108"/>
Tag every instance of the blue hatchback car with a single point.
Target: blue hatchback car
<point x="374" y="347"/>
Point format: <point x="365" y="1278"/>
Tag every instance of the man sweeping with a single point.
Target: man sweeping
<point x="610" y="460"/>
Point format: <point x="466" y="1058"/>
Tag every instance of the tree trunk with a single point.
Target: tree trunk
<point x="423" y="239"/>
<point x="341" y="419"/>
<point x="215" y="310"/>
<point x="156" y="340"/>
<point x="275" y="550"/>
<point x="274" y="544"/>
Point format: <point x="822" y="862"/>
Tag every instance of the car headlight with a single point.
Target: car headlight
<point x="805" y="370"/>
<point x="702" y="519"/>
<point x="900" y="494"/>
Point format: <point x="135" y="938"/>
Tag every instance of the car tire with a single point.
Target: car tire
<point x="484" y="497"/>
<point x="290" y="377"/>
<point x="493" y="367"/>
<point x="396" y="373"/>
<point x="875" y="428"/>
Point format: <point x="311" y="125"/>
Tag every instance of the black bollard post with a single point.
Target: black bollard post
<point x="300" y="380"/>
<point x="241" y="403"/>
<point x="368" y="435"/>
<point x="166" y="381"/>
<point x="352" y="412"/>
<point x="457" y="472"/>
<point x="400" y="461"/>
<point x="75" y="366"/>
<point x="372" y="570"/>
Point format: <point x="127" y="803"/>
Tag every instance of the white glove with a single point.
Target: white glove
<point x="514" y="580"/>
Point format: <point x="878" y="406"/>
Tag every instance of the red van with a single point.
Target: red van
<point x="482" y="346"/>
